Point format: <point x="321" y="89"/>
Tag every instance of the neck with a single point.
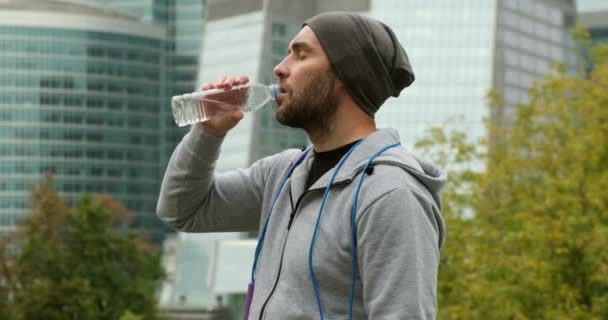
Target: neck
<point x="346" y="127"/>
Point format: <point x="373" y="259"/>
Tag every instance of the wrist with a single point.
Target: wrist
<point x="211" y="132"/>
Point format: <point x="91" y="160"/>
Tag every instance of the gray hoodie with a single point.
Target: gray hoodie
<point x="399" y="227"/>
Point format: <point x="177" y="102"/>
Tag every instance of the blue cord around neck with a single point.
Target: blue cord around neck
<point x="260" y="243"/>
<point x="314" y="234"/>
<point x="319" y="215"/>
<point x="353" y="221"/>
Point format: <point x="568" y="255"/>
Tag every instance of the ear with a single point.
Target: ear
<point x="339" y="87"/>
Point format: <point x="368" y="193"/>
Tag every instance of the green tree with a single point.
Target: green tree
<point x="128" y="315"/>
<point x="6" y="278"/>
<point x="527" y="235"/>
<point x="78" y="263"/>
<point x="452" y="150"/>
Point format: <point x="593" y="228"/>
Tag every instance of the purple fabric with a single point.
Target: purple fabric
<point x="248" y="300"/>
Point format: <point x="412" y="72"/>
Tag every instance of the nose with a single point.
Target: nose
<point x="280" y="70"/>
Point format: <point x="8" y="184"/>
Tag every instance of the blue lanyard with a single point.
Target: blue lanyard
<point x="353" y="217"/>
<point x="258" y="247"/>
<point x="319" y="215"/>
<point x="314" y="234"/>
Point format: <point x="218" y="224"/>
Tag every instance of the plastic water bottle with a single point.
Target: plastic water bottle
<point x="200" y="106"/>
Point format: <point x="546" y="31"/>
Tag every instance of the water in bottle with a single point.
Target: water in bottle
<point x="199" y="106"/>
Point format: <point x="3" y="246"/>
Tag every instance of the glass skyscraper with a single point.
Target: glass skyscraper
<point x="596" y="21"/>
<point x="460" y="50"/>
<point x="594" y="17"/>
<point x="81" y="87"/>
<point x="183" y="20"/>
<point x="243" y="38"/>
<point x="186" y="257"/>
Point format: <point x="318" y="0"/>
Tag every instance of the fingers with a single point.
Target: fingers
<point x="220" y="126"/>
<point x="226" y="82"/>
<point x="229" y="82"/>
<point x="237" y="116"/>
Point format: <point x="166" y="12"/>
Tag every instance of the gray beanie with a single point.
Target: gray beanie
<point x="365" y="55"/>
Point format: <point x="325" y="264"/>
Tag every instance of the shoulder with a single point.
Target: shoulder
<point x="385" y="178"/>
<point x="403" y="210"/>
<point x="278" y="163"/>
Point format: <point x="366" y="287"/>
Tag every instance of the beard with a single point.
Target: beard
<point x="313" y="108"/>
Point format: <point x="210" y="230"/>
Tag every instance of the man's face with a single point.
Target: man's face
<point x="308" y="96"/>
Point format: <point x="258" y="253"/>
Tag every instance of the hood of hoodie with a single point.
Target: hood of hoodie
<point x="429" y="174"/>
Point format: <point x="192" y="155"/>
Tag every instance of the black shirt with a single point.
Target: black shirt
<point x="325" y="161"/>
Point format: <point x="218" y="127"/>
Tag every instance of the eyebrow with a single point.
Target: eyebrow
<point x="299" y="46"/>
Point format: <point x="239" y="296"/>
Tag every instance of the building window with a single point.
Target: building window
<point x="278" y="30"/>
<point x="279" y="48"/>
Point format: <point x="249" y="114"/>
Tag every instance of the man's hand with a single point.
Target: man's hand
<point x="219" y="124"/>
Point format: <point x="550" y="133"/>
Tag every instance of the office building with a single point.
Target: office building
<point x="81" y="90"/>
<point x="596" y="21"/>
<point x="183" y="20"/>
<point x="201" y="267"/>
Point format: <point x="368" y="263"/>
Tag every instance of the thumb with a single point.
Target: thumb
<point x="229" y="121"/>
<point x="237" y="115"/>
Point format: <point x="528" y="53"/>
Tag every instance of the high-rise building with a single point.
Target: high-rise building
<point x="460" y="50"/>
<point x="188" y="262"/>
<point x="248" y="37"/>
<point x="80" y="91"/>
<point x="596" y="21"/>
<point x="183" y="20"/>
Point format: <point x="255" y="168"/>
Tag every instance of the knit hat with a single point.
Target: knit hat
<point x="365" y="55"/>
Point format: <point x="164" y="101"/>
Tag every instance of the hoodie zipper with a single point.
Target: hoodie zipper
<point x="294" y="210"/>
<point x="291" y="219"/>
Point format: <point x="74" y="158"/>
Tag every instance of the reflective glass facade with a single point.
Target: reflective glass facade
<point x="531" y="35"/>
<point x="187" y="259"/>
<point x="233" y="46"/>
<point x="461" y="50"/>
<point x="185" y="26"/>
<point x="83" y="106"/>
<point x="145" y="9"/>
<point x="252" y="44"/>
<point x="600" y="35"/>
<point x="270" y="136"/>
<point x="450" y="45"/>
<point x="184" y="22"/>
<point x="596" y="21"/>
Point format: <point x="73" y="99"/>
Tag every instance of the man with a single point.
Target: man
<point x="332" y="245"/>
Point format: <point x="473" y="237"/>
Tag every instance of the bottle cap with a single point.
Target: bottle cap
<point x="274" y="89"/>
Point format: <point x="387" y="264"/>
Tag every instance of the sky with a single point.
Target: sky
<point x="591" y="5"/>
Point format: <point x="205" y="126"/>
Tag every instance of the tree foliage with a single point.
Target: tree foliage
<point x="77" y="263"/>
<point x="527" y="234"/>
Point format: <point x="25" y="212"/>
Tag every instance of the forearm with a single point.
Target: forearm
<point x="188" y="179"/>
